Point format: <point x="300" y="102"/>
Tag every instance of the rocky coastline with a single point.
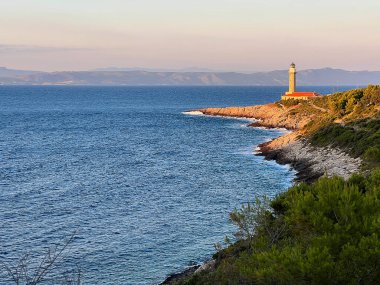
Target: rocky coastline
<point x="175" y="277"/>
<point x="310" y="162"/>
<point x="292" y="149"/>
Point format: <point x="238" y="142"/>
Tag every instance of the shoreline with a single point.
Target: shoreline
<point x="309" y="162"/>
<point x="175" y="277"/>
<point x="172" y="278"/>
<point x="292" y="148"/>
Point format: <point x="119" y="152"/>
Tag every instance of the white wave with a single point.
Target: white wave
<point x="199" y="113"/>
<point x="193" y="113"/>
<point x="257" y="150"/>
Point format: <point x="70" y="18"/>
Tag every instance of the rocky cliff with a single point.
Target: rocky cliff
<point x="292" y="148"/>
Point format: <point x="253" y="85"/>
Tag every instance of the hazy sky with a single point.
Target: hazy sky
<point x="217" y="34"/>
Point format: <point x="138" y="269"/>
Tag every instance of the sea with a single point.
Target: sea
<point x="144" y="186"/>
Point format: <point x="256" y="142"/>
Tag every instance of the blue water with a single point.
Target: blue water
<point x="147" y="188"/>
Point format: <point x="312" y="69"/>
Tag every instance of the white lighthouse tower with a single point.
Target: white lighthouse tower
<point x="292" y="79"/>
<point x="292" y="93"/>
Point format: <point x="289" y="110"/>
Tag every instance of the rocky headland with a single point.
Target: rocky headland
<point x="273" y="115"/>
<point x="293" y="148"/>
<point x="330" y="135"/>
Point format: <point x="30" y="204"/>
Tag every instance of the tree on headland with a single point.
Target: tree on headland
<point x="254" y="217"/>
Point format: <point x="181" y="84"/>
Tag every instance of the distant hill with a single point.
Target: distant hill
<point x="189" y="69"/>
<point x="5" y="72"/>
<point x="310" y="77"/>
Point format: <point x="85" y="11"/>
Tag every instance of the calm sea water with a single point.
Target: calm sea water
<point x="147" y="188"/>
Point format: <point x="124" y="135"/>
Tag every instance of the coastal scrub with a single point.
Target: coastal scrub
<point x="330" y="235"/>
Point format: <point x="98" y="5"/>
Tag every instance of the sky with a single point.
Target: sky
<point x="224" y="35"/>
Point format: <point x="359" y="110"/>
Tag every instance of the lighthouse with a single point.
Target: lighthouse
<point x="292" y="79"/>
<point x="292" y="93"/>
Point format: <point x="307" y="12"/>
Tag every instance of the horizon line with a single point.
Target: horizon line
<point x="177" y="70"/>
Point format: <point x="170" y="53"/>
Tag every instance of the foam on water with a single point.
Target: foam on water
<point x="193" y="113"/>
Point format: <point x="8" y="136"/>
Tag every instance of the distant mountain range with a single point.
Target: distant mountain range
<point x="136" y="76"/>
<point x="189" y="69"/>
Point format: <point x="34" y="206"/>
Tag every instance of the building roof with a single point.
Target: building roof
<point x="303" y="94"/>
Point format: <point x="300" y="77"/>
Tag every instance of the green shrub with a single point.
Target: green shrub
<point x="372" y="154"/>
<point x="291" y="102"/>
<point x="330" y="236"/>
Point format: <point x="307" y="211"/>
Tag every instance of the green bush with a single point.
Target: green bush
<point x="291" y="102"/>
<point x="329" y="235"/>
<point x="372" y="154"/>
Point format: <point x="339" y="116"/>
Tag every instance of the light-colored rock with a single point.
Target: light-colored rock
<point x="206" y="266"/>
<point x="330" y="161"/>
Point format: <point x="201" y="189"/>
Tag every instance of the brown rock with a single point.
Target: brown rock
<point x="270" y="115"/>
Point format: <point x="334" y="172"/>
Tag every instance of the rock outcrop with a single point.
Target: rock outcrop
<point x="175" y="277"/>
<point x="270" y="115"/>
<point x="311" y="162"/>
<point x="292" y="148"/>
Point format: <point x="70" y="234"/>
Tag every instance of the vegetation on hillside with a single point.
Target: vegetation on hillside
<point x="323" y="233"/>
<point x="349" y="120"/>
<point x="359" y="138"/>
<point x="352" y="123"/>
<point x="350" y="105"/>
